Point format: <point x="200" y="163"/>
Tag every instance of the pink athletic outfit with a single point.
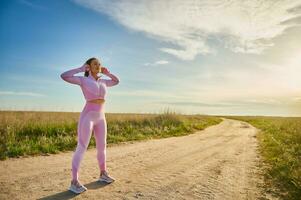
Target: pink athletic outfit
<point x="92" y="117"/>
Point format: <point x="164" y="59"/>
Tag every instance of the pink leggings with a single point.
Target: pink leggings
<point x="92" y="118"/>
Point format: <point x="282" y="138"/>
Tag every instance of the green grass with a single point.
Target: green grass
<point x="280" y="145"/>
<point x="35" y="133"/>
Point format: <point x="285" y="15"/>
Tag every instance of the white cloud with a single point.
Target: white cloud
<point x="159" y="62"/>
<point x="242" y="26"/>
<point x="32" y="94"/>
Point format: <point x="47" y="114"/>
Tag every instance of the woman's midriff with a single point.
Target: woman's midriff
<point x="98" y="101"/>
<point x="90" y="106"/>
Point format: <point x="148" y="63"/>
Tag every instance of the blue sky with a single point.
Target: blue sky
<point x="191" y="57"/>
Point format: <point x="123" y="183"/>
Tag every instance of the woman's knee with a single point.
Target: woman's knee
<point x="81" y="147"/>
<point x="101" y="145"/>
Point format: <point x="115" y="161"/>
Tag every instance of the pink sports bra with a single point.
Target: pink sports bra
<point x="91" y="88"/>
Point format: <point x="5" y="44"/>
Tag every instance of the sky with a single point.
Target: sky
<point x="214" y="57"/>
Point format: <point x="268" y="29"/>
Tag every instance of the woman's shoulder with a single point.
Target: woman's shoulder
<point x="83" y="77"/>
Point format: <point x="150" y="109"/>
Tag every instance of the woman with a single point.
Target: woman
<point x="92" y="117"/>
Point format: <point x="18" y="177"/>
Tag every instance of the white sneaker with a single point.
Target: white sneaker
<point x="106" y="178"/>
<point x="77" y="188"/>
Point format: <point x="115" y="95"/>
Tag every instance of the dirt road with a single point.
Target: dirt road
<point x="220" y="162"/>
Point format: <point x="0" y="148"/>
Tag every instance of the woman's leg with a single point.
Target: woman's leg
<point x="84" y="131"/>
<point x="100" y="134"/>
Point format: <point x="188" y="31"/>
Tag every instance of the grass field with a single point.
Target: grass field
<point x="36" y="133"/>
<point x="280" y="145"/>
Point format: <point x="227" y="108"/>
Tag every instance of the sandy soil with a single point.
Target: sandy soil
<point x="220" y="162"/>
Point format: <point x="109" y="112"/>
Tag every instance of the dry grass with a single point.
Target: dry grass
<point x="280" y="145"/>
<point x="34" y="133"/>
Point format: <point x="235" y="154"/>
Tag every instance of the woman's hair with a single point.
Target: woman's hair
<point x="89" y="62"/>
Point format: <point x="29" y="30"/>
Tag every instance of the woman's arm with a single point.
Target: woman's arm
<point x="69" y="77"/>
<point x="114" y="79"/>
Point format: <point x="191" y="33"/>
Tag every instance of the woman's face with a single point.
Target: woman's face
<point x="95" y="66"/>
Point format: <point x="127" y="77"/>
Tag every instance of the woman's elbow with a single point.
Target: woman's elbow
<point x="117" y="81"/>
<point x="63" y="77"/>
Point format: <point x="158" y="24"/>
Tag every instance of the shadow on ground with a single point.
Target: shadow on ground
<point x="69" y="195"/>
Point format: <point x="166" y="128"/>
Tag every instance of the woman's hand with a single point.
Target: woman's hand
<point x="104" y="70"/>
<point x="85" y="67"/>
